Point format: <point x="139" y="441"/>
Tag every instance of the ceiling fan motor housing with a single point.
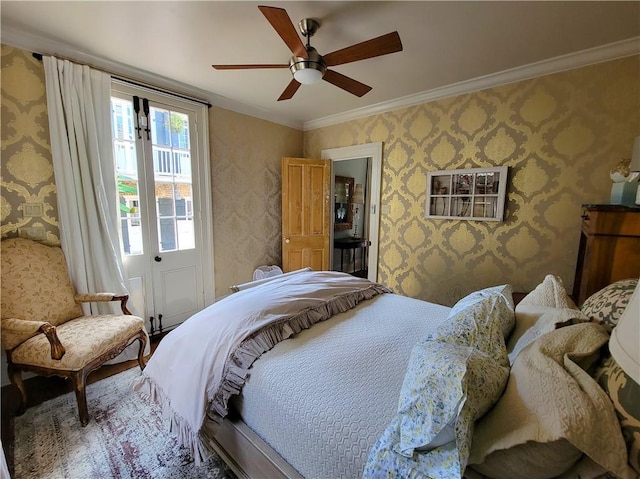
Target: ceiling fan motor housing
<point x="308" y="70"/>
<point x="308" y="27"/>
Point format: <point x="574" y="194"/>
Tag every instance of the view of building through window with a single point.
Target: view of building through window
<point x="166" y="147"/>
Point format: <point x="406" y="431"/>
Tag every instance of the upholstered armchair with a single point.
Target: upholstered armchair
<point x="44" y="329"/>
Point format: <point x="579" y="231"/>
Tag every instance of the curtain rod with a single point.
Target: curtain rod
<point x="38" y="56"/>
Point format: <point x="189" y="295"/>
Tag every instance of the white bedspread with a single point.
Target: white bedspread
<point x="205" y="360"/>
<point x="322" y="398"/>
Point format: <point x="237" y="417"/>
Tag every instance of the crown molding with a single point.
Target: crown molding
<point x="545" y="67"/>
<point x="36" y="43"/>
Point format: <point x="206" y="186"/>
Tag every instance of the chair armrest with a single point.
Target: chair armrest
<point x="17" y="331"/>
<point x="101" y="297"/>
<point x="57" y="349"/>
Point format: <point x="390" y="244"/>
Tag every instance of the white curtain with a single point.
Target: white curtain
<point x="79" y="106"/>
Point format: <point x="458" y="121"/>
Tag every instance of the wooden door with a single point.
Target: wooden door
<point x="306" y="208"/>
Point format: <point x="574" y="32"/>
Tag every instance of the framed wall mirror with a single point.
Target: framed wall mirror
<point x="342" y="211"/>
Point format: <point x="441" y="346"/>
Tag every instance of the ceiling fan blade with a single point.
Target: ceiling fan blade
<point x="389" y="43"/>
<point x="281" y="22"/>
<point x="246" y="67"/>
<point x="291" y="89"/>
<point x="348" y="84"/>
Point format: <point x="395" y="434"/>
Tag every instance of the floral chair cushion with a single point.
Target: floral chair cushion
<point x="84" y="339"/>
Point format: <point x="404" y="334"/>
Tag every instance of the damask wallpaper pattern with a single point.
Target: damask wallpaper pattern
<point x="246" y="157"/>
<point x="245" y="163"/>
<point x="558" y="134"/>
<point x="27" y="171"/>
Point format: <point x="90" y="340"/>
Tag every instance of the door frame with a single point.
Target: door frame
<point x="373" y="152"/>
<point x="201" y="183"/>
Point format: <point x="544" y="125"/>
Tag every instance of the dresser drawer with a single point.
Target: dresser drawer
<point x="616" y="223"/>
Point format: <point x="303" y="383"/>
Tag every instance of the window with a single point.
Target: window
<point x="471" y="194"/>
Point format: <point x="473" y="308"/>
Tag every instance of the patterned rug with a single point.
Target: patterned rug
<point x="125" y="438"/>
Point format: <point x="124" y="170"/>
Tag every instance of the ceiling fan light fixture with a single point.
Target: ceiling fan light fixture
<point x="307" y="74"/>
<point x="308" y="70"/>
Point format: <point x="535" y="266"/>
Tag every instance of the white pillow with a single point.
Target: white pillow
<point x="546" y="308"/>
<point x="534" y="321"/>
<point x="551" y="292"/>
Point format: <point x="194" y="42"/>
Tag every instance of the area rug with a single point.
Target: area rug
<point x="125" y="438"/>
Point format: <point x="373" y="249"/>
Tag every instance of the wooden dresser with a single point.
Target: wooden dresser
<point x="609" y="248"/>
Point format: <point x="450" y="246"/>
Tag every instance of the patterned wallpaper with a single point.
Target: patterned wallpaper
<point x="26" y="170"/>
<point x="559" y="134"/>
<point x="245" y="173"/>
<point x="246" y="163"/>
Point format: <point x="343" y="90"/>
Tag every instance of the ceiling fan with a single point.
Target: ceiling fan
<point x="308" y="66"/>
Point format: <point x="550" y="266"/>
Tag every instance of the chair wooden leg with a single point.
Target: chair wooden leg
<point x="143" y="345"/>
<point x="79" y="384"/>
<point x="15" y="376"/>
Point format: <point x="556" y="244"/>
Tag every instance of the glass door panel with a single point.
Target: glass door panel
<point x="126" y="164"/>
<point x="173" y="181"/>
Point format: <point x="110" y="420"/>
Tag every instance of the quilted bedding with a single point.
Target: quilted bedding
<point x="325" y="417"/>
<point x="202" y="363"/>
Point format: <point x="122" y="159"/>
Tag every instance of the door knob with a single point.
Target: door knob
<point x="287" y="241"/>
<point x="157" y="259"/>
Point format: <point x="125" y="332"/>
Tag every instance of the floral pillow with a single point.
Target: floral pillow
<point x="607" y="305"/>
<point x="497" y="303"/>
<point x="454" y="376"/>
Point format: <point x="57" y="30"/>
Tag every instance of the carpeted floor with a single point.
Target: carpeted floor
<point x="126" y="438"/>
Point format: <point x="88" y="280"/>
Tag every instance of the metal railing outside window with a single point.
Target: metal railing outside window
<point x="171" y="162"/>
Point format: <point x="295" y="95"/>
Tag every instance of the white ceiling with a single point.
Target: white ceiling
<point x="445" y="44"/>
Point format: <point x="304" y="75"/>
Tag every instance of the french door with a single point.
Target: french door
<point x="161" y="164"/>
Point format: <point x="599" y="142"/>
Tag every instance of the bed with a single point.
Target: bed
<point x="346" y="394"/>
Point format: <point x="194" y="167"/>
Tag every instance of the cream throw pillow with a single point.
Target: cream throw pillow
<point x="546" y="308"/>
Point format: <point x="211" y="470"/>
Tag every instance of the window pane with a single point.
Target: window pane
<point x="126" y="168"/>
<point x="173" y="183"/>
